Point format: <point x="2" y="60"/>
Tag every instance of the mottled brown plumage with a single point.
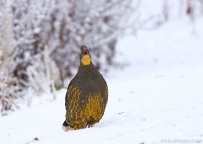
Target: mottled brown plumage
<point x="87" y="95"/>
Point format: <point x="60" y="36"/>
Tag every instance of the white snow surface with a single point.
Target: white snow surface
<point x="157" y="98"/>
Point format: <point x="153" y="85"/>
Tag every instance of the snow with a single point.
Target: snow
<point x="157" y="98"/>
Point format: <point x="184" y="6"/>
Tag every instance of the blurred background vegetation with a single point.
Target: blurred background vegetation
<point x="40" y="39"/>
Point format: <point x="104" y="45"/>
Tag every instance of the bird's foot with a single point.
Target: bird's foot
<point x="89" y="125"/>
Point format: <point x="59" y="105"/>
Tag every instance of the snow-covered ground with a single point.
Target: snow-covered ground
<point x="157" y="98"/>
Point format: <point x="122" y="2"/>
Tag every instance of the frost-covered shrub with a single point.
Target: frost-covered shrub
<point x="65" y="25"/>
<point x="10" y="88"/>
<point x="43" y="74"/>
<point x="4" y="103"/>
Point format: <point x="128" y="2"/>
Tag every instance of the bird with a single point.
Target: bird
<point x="87" y="95"/>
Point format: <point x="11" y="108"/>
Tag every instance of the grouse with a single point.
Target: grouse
<point x="86" y="96"/>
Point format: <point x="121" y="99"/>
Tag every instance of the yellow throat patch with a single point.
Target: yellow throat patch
<point x="86" y="59"/>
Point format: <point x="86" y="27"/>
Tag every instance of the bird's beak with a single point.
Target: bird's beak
<point x="84" y="51"/>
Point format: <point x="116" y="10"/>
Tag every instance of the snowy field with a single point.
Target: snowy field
<point x="157" y="98"/>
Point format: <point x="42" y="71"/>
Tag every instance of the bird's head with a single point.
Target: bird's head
<point x="85" y="55"/>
